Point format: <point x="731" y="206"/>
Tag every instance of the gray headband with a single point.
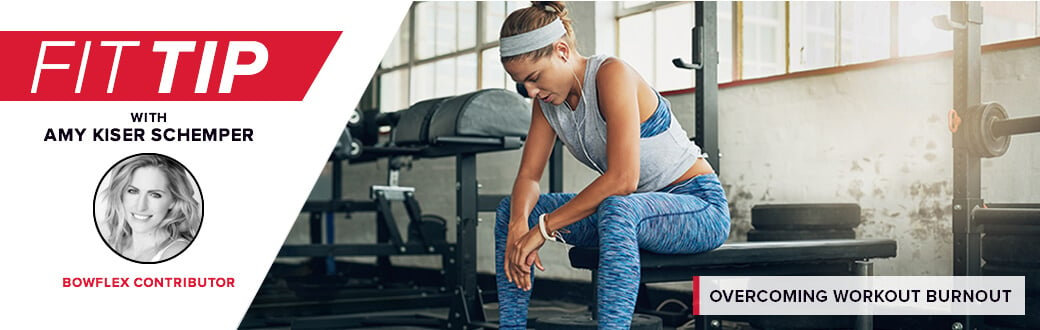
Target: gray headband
<point x="532" y="40"/>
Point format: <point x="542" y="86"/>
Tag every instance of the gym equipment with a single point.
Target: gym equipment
<point x="355" y="118"/>
<point x="461" y="127"/>
<point x="983" y="132"/>
<point x="805" y="216"/>
<point x="988" y="130"/>
<point x="347" y="147"/>
<point x="798" y="222"/>
<point x="757" y="235"/>
<point x="1009" y="245"/>
<point x="585" y="321"/>
<point x="705" y="55"/>
<point x="978" y="124"/>
<point x="469" y="115"/>
<point x="1011" y="249"/>
<point x="431" y="229"/>
<point x="413" y="125"/>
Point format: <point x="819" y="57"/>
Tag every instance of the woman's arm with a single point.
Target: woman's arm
<point x="617" y="86"/>
<point x="537" y="148"/>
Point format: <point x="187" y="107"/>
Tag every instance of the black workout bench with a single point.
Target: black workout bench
<point x="818" y="257"/>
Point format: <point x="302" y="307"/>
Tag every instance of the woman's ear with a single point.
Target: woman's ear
<point x="563" y="49"/>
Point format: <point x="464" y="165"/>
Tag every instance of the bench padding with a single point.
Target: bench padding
<point x="755" y="253"/>
<point x="485" y="113"/>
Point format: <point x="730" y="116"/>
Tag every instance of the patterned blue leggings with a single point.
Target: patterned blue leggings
<point x="688" y="217"/>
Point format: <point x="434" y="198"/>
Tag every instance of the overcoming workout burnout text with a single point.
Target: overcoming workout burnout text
<point x="859" y="295"/>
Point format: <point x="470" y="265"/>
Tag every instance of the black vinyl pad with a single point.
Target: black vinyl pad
<point x="755" y="253"/>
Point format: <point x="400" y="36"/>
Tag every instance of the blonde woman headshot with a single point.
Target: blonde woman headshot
<point x="148" y="208"/>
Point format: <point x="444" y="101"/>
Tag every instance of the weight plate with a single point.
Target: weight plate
<point x="978" y="130"/>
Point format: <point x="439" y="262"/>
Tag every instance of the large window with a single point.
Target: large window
<point x="865" y="31"/>
<point x="450" y="48"/>
<point x="759" y="39"/>
<point x="655" y="34"/>
<point x="454" y="51"/>
<point x="917" y="34"/>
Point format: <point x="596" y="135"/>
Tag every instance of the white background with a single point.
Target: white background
<point x="253" y="190"/>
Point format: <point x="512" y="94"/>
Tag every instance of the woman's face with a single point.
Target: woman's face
<point x="147" y="199"/>
<point x="547" y="78"/>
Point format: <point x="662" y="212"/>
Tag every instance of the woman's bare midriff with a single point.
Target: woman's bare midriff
<point x="700" y="167"/>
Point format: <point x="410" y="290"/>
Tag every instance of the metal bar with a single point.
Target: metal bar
<point x="347" y="206"/>
<point x="317" y="265"/>
<point x="354" y="321"/>
<point x="388" y="219"/>
<point x="1013" y="205"/>
<point x="827" y="267"/>
<point x="383" y="266"/>
<point x="341" y="306"/>
<point x="706" y="95"/>
<point x="330" y="238"/>
<point x="330" y="217"/>
<point x="469" y="140"/>
<point x="412" y="206"/>
<point x="315" y="226"/>
<point x="384" y="249"/>
<point x="1016" y="126"/>
<point x="466" y="195"/>
<point x="967" y="173"/>
<point x="864" y="268"/>
<point x="556" y="168"/>
<point x="967" y="176"/>
<point x="489" y="203"/>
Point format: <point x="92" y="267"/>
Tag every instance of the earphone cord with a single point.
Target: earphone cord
<point x="581" y="91"/>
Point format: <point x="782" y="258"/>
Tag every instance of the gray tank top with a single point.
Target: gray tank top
<point x="663" y="158"/>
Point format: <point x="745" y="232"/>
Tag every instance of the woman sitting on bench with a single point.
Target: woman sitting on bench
<point x="654" y="192"/>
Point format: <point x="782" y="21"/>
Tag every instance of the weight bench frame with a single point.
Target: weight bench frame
<point x="827" y="257"/>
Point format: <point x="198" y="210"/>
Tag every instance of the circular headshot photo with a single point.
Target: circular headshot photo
<point x="148" y="208"/>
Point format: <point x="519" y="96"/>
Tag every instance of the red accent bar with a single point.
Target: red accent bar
<point x="696" y="310"/>
<point x="161" y="65"/>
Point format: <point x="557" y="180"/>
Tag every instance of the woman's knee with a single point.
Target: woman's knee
<point x="612" y="204"/>
<point x="502" y="214"/>
<point x="617" y="214"/>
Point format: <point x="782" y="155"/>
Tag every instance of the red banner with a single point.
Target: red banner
<point x="161" y="66"/>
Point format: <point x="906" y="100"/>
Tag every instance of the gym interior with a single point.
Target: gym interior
<point x="911" y="115"/>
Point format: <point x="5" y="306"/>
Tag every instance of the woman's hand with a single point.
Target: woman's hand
<point x="522" y="246"/>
